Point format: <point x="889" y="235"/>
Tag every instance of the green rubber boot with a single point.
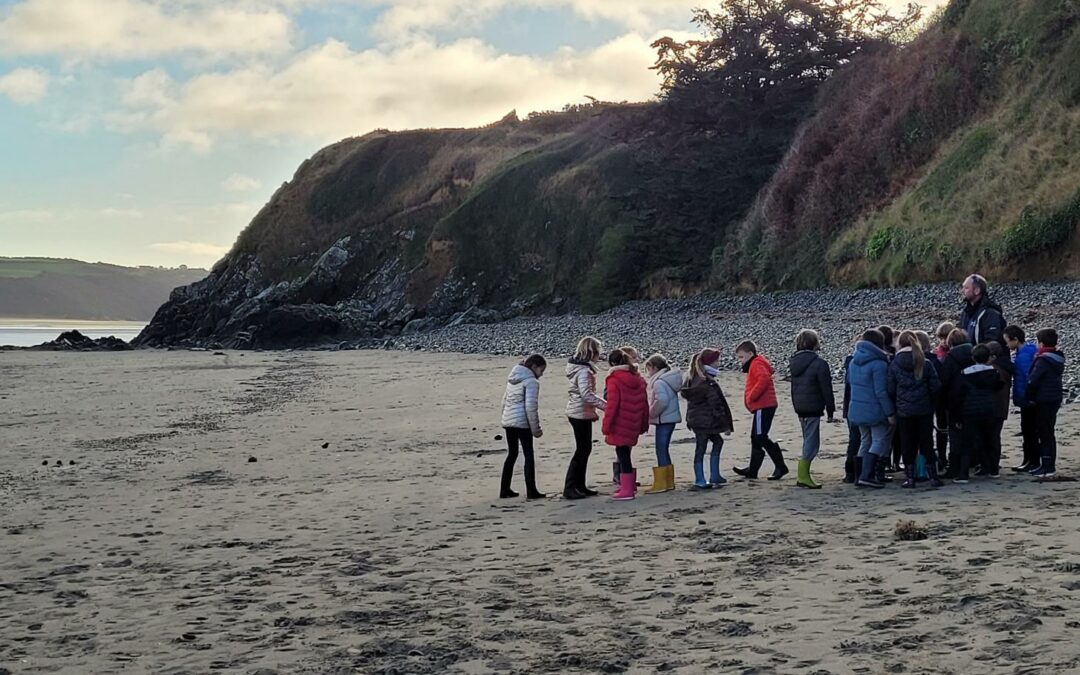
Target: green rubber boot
<point x="805" y="481"/>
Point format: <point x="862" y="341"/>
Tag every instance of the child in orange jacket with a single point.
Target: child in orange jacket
<point x="760" y="399"/>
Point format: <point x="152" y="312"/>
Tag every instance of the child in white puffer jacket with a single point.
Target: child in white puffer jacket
<point x="521" y="421"/>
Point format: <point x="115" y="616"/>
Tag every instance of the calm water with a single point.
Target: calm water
<point x="30" y="333"/>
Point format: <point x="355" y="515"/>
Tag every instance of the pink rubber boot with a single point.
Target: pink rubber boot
<point x="627" y="487"/>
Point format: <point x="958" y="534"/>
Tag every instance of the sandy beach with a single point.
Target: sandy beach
<point x="366" y="537"/>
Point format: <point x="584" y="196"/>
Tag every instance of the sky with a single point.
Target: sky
<point x="150" y="132"/>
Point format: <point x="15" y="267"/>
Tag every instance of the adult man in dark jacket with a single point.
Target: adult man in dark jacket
<point x="981" y="317"/>
<point x="977" y="401"/>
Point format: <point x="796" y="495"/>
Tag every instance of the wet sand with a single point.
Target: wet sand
<point x="164" y="549"/>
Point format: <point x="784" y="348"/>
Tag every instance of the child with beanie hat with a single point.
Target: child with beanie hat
<point x="707" y="415"/>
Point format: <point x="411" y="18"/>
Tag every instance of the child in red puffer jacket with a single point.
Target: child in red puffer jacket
<point x="760" y="399"/>
<point x="626" y="418"/>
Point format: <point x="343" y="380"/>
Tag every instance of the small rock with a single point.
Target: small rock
<point x="34" y="626"/>
<point x="252" y="459"/>
<point x="325" y="446"/>
<point x="188" y="637"/>
<point x="59" y="462"/>
<point x="498" y="437"/>
<point x="45" y="463"/>
<point x="701" y="522"/>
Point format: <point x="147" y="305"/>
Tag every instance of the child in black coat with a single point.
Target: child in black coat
<point x="977" y="394"/>
<point x="1046" y="392"/>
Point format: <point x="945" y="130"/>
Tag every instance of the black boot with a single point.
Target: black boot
<point x="932" y="472"/>
<point x="757" y="457"/>
<point x="776" y="455"/>
<point x="570" y="490"/>
<point x="866" y="473"/>
<point x="850" y="473"/>
<point x="879" y="470"/>
<point x="531" y="492"/>
<point x="909" y="477"/>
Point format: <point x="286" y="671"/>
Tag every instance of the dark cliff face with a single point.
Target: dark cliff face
<point x="404" y="231"/>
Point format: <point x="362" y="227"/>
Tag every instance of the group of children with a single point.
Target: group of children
<point x="897" y="390"/>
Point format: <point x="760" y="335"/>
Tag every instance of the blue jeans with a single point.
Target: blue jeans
<point x="702" y="445"/>
<point x="875" y="440"/>
<point x="663" y="443"/>
<point x="811" y="437"/>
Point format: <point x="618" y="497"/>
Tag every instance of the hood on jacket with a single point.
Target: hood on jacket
<point x="905" y="360"/>
<point x="982" y="376"/>
<point x="1054" y="359"/>
<point x="801" y="361"/>
<point x="672" y="378"/>
<point x="631" y="380"/>
<point x="694" y="389"/>
<point x="1005" y="363"/>
<point x="520" y="373"/>
<point x="575" y="367"/>
<point x="866" y="352"/>
<point x="962" y="354"/>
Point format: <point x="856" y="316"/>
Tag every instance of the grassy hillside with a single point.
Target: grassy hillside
<point x="52" y="288"/>
<point x="962" y="153"/>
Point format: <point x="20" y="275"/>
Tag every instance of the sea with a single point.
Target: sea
<point x="31" y="332"/>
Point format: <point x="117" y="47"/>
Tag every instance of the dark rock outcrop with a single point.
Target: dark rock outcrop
<point x="73" y="340"/>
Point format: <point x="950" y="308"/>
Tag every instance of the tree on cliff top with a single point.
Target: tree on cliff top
<point x="730" y="105"/>
<point x="770" y="55"/>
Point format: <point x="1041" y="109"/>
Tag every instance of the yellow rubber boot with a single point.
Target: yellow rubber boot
<point x="659" y="482"/>
<point x="670" y="479"/>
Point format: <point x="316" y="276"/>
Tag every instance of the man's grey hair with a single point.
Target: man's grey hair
<point x="980" y="283"/>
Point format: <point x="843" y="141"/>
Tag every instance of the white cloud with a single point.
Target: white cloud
<point x="403" y="17"/>
<point x="25" y="85"/>
<point x="330" y="91"/>
<point x="27" y="216"/>
<point x="240" y="183"/>
<point x="124" y="29"/>
<point x="113" y="212"/>
<point x="193" y="248"/>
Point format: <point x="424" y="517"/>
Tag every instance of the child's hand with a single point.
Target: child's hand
<point x="538" y="433"/>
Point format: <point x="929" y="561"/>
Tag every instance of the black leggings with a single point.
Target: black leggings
<point x="579" y="464"/>
<point x="524" y="437"/>
<point x="623" y="453"/>
<point x="916" y="437"/>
